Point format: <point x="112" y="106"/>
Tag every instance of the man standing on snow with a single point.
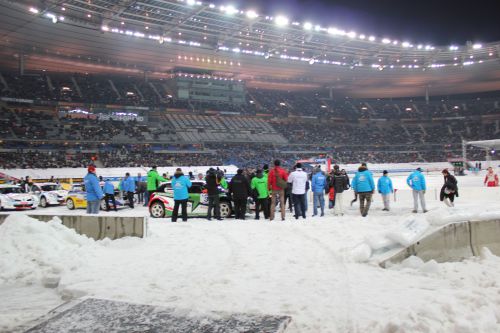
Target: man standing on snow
<point x="153" y="182"/>
<point x="364" y="186"/>
<point x="259" y="183"/>
<point x="491" y="179"/>
<point x="128" y="186"/>
<point x="416" y="181"/>
<point x="109" y="194"/>
<point x="94" y="191"/>
<point x="298" y="179"/>
<point x="449" y="189"/>
<point x="340" y="183"/>
<point x="240" y="190"/>
<point x="384" y="186"/>
<point x="318" y="187"/>
<point x="180" y="186"/>
<point x="277" y="182"/>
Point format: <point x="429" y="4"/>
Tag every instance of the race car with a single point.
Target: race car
<point x="161" y="203"/>
<point x="77" y="198"/>
<point x="12" y="197"/>
<point x="49" y="194"/>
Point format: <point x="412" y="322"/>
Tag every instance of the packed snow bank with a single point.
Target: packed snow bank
<point x="35" y="252"/>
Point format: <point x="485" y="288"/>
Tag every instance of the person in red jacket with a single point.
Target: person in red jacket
<point x="491" y="179"/>
<point x="276" y="182"/>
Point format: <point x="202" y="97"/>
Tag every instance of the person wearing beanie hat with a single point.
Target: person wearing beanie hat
<point x="180" y="185"/>
<point x="93" y="190"/>
<point x="384" y="186"/>
<point x="416" y="181"/>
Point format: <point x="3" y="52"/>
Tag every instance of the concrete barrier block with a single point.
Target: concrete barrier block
<point x="485" y="234"/>
<point x="99" y="227"/>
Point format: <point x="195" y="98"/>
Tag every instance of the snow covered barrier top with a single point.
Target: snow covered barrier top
<point x="98" y="227"/>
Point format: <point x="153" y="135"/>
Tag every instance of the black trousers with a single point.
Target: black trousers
<point x="289" y="198"/>
<point x="110" y="197"/>
<point x="130" y="197"/>
<point x="213" y="202"/>
<point x="264" y="205"/>
<point x="175" y="212"/>
<point x="299" y="202"/>
<point x="240" y="208"/>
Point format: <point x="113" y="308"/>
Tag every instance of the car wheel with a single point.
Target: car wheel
<point x="225" y="209"/>
<point x="70" y="204"/>
<point x="43" y="202"/>
<point x="157" y="209"/>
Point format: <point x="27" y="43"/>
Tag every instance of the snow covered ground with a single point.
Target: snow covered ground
<point x="308" y="269"/>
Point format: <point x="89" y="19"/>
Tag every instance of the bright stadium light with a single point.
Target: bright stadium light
<point x="34" y="10"/>
<point x="386" y="41"/>
<point x="405" y="44"/>
<point x="371" y="38"/>
<point x="191" y="2"/>
<point x="230" y="10"/>
<point x="351" y="34"/>
<point x="453" y="48"/>
<point x="251" y="14"/>
<point x="308" y="26"/>
<point x="477" y="46"/>
<point x="312" y="61"/>
<point x="281" y="20"/>
<point x="362" y="36"/>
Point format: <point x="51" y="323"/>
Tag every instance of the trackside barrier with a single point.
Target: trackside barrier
<point x="99" y="227"/>
<point x="453" y="242"/>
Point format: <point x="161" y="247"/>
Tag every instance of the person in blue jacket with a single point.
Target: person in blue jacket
<point x="318" y="186"/>
<point x="109" y="194"/>
<point x="94" y="191"/>
<point x="180" y="185"/>
<point x="384" y="187"/>
<point x="416" y="181"/>
<point x="364" y="186"/>
<point x="128" y="186"/>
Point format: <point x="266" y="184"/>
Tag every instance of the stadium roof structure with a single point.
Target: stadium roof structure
<point x="162" y="37"/>
<point x="486" y="144"/>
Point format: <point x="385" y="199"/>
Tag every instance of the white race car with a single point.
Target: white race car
<point x="49" y="194"/>
<point x="12" y="197"/>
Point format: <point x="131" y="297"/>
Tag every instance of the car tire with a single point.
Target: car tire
<point x="225" y="209"/>
<point x="43" y="202"/>
<point x="70" y="204"/>
<point x="157" y="209"/>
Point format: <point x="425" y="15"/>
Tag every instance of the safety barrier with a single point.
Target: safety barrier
<point x="99" y="227"/>
<point x="453" y="242"/>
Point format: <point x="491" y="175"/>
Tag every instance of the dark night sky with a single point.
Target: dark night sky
<point x="439" y="22"/>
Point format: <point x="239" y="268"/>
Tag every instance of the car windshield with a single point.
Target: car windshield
<point x="8" y="190"/>
<point x="53" y="187"/>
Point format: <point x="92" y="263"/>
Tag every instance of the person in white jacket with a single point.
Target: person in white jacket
<point x="298" y="179"/>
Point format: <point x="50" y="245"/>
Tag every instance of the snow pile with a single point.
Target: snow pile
<point x="443" y="216"/>
<point x="37" y="252"/>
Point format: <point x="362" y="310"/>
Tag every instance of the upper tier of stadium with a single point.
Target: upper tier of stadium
<point x="161" y="37"/>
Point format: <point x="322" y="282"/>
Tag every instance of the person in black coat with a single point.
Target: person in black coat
<point x="449" y="190"/>
<point x="239" y="187"/>
<point x="212" y="186"/>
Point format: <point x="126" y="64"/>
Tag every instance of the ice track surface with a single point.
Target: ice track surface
<point x="305" y="269"/>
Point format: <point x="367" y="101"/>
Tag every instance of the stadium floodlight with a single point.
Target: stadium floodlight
<point x="52" y="17"/>
<point x="371" y="38"/>
<point x="191" y="2"/>
<point x="420" y="46"/>
<point x="312" y="61"/>
<point x="428" y="47"/>
<point x="230" y="10"/>
<point x="335" y="31"/>
<point x="251" y="14"/>
<point x="212" y="6"/>
<point x="477" y="46"/>
<point x="362" y="36"/>
<point x="405" y="44"/>
<point x="317" y="27"/>
<point x="105" y="28"/>
<point x="351" y="34"/>
<point x="281" y="20"/>
<point x="453" y="48"/>
<point x="308" y="26"/>
<point x="386" y="41"/>
<point x="34" y="10"/>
